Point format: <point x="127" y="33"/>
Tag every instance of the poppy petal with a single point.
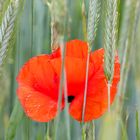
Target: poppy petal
<point x="39" y="84"/>
<point x="74" y="48"/>
<point x="75" y="73"/>
<point x="39" y="74"/>
<point x="36" y="105"/>
<point x="97" y="97"/>
<point x="77" y="48"/>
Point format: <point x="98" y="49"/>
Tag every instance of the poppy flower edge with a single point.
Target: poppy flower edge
<point x="97" y="96"/>
<point x="39" y="81"/>
<point x="37" y="106"/>
<point x="38" y="86"/>
<point x="77" y="49"/>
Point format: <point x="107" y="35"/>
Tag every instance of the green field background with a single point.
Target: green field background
<point x="32" y="36"/>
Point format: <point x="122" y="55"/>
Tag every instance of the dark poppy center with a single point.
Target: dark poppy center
<point x="70" y="99"/>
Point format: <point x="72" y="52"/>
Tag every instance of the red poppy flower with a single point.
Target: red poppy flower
<point x="39" y="81"/>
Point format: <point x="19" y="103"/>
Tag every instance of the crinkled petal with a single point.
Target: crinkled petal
<point x="38" y="88"/>
<point x="74" y="48"/>
<point x="75" y="73"/>
<point x="36" y="105"/>
<point x="77" y="48"/>
<point x="39" y="74"/>
<point x="97" y="96"/>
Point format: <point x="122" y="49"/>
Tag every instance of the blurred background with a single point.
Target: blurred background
<point x="29" y="34"/>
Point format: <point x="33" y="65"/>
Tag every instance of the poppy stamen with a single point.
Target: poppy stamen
<point x="70" y="99"/>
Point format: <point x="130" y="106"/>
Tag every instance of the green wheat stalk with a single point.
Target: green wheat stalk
<point x="89" y="131"/>
<point x="15" y="118"/>
<point x="110" y="38"/>
<point x="7" y="31"/>
<point x="110" y="42"/>
<point x="136" y="65"/>
<point x="93" y="18"/>
<point x="58" y="12"/>
<point x="137" y="126"/>
<point x="84" y="21"/>
<point x="7" y="28"/>
<point x="63" y="82"/>
<point x="136" y="68"/>
<point x="129" y="39"/>
<point x="129" y="21"/>
<point x="1" y="5"/>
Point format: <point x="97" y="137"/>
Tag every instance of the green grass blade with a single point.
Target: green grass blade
<point x="14" y="121"/>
